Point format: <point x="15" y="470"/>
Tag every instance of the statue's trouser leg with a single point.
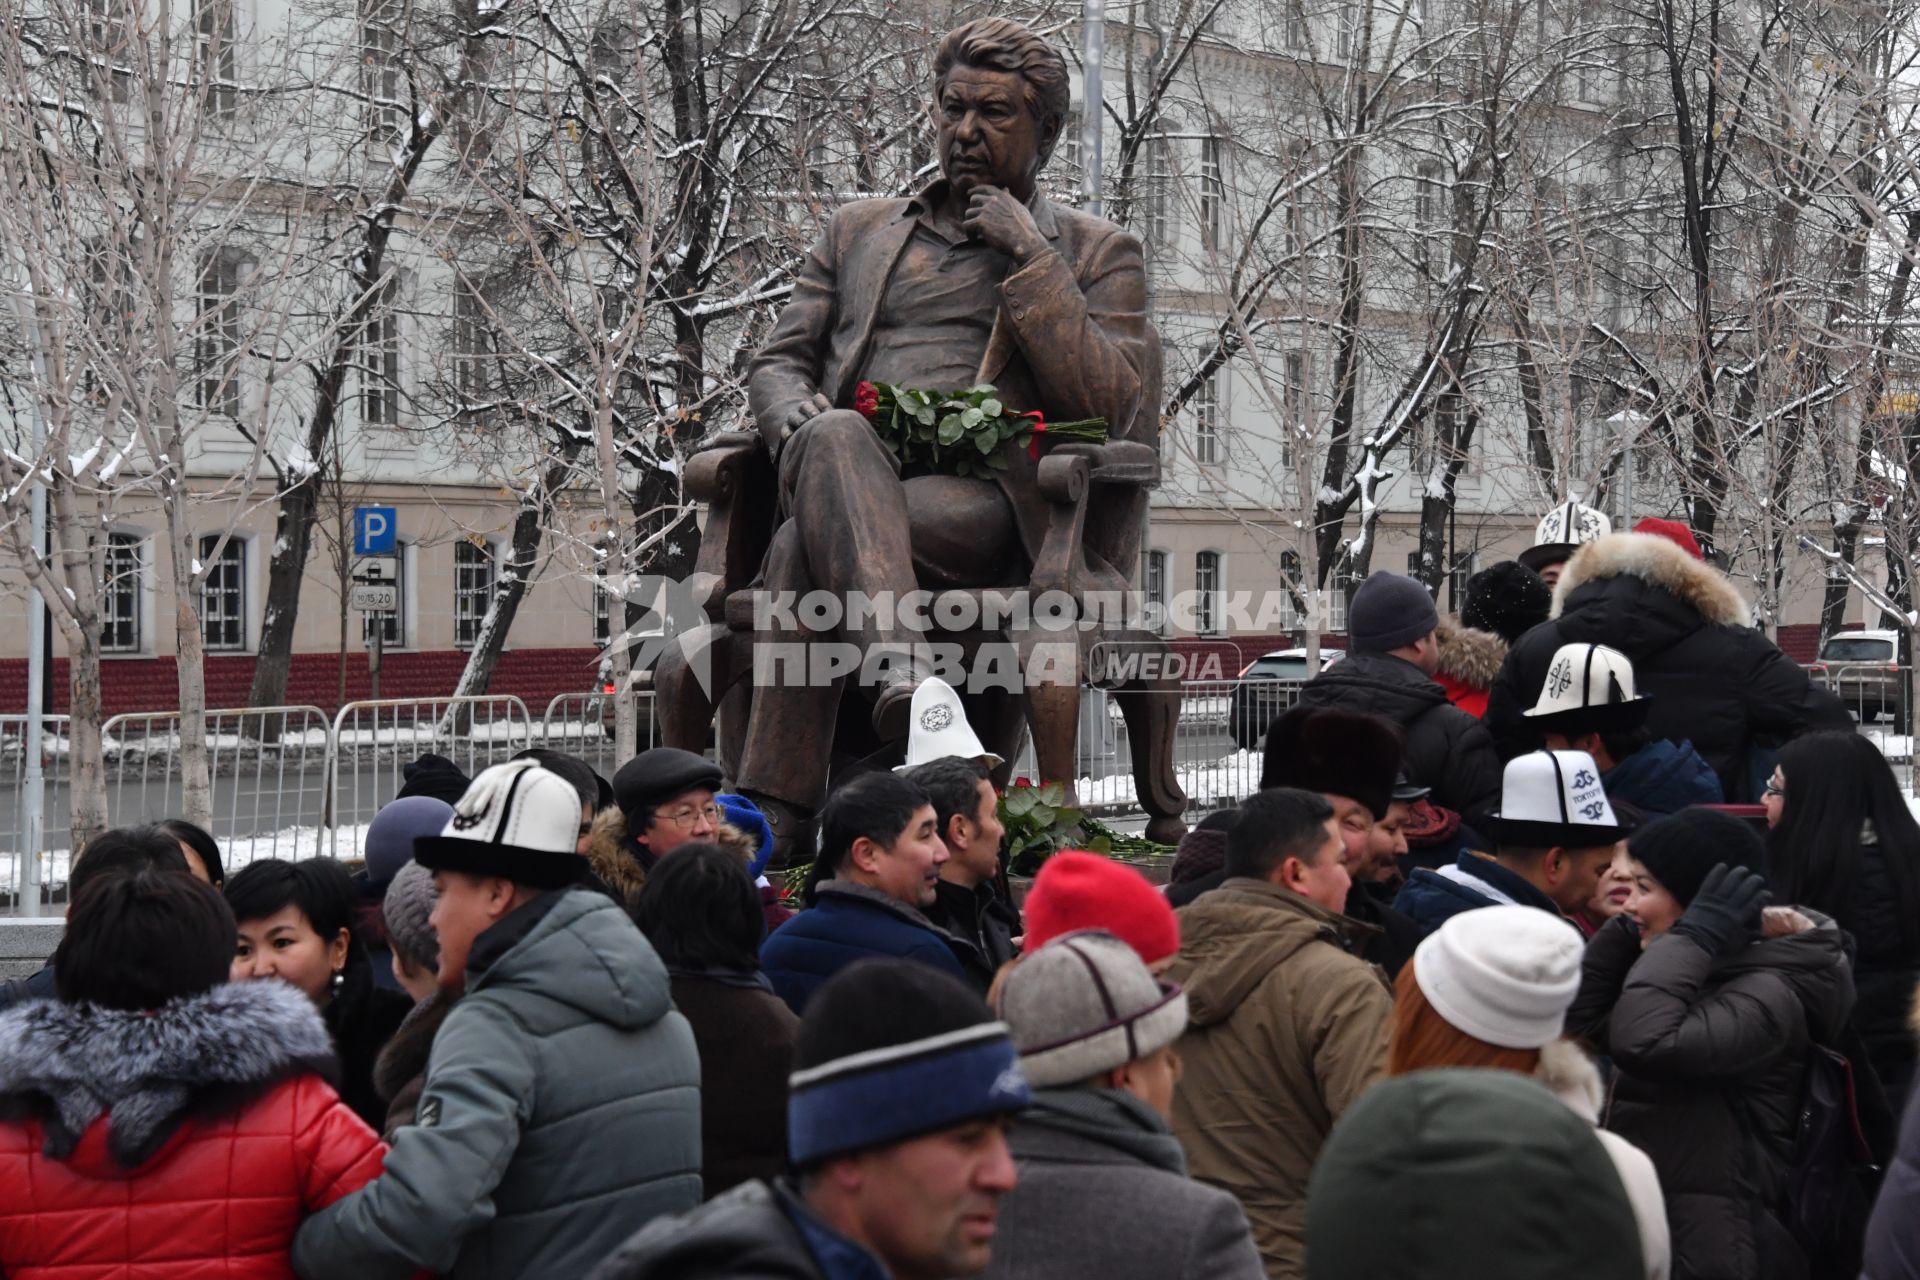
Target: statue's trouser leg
<point x="790" y="730"/>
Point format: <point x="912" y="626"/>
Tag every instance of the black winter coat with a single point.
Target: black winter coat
<point x="361" y="1018"/>
<point x="1713" y="679"/>
<point x="1893" y="1234"/>
<point x="1711" y="1060"/>
<point x="1447" y="749"/>
<point x="1886" y="972"/>
<point x="981" y="919"/>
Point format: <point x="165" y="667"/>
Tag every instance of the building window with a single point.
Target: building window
<point x="472" y="591"/>
<point x="120" y="596"/>
<point x="1294" y="405"/>
<point x="391" y="626"/>
<point x="1206" y="591"/>
<point x="380" y="23"/>
<point x="1213" y="189"/>
<point x="1156" y="201"/>
<point x="1465" y="565"/>
<point x="1345" y="582"/>
<point x="1155" y="575"/>
<point x="1343" y="33"/>
<point x="213" y="59"/>
<point x="1293" y="582"/>
<point x="223" y="594"/>
<point x="216" y="337"/>
<point x="1206" y="416"/>
<point x="473" y="352"/>
<point x="602" y="615"/>
<point x="380" y="360"/>
<point x="1296" y="25"/>
<point x="111" y="52"/>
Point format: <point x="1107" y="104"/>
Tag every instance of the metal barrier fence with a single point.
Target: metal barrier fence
<point x="1216" y="755"/>
<point x="1878" y="695"/>
<point x="581" y="724"/>
<point x="269" y="774"/>
<point x="372" y="743"/>
<point x="56" y="806"/>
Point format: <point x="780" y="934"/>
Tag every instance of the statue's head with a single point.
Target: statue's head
<point x="1000" y="98"/>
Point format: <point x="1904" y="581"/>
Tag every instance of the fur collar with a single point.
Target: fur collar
<point x="146" y="1071"/>
<point x="1566" y="1069"/>
<point x="609" y="859"/>
<point x="1469" y="656"/>
<point x="1659" y="563"/>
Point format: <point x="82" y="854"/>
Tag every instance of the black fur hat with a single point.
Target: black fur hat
<point x="1507" y="599"/>
<point x="1341" y="753"/>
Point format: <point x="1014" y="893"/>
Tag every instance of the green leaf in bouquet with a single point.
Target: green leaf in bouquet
<point x="970" y="418"/>
<point x="998" y="461"/>
<point x="924" y="412"/>
<point x="992" y="408"/>
<point x="1019" y="801"/>
<point x="1101" y="845"/>
<point x="986" y="441"/>
<point x="980" y="389"/>
<point x="1053" y="792"/>
<point x="1045" y="814"/>
<point x="951" y="429"/>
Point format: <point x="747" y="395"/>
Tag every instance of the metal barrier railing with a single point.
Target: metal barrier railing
<point x="269" y="776"/>
<point x="581" y="724"/>
<point x="1878" y="695"/>
<point x="371" y="744"/>
<point x="55" y="839"/>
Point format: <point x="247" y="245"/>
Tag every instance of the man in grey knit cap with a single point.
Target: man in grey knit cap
<point x="1103" y="1184"/>
<point x="1392" y="654"/>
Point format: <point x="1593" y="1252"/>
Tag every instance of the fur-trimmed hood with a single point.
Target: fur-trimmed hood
<point x="1659" y="563"/>
<point x="609" y="856"/>
<point x="1571" y="1075"/>
<point x="1469" y="656"/>
<point x="146" y="1071"/>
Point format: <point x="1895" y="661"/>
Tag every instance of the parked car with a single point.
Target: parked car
<point x="1863" y="668"/>
<point x="1267" y="686"/>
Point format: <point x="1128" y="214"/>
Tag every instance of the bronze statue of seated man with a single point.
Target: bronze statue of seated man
<point x="977" y="279"/>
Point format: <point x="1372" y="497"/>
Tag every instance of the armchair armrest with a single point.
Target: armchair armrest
<point x="734" y="476"/>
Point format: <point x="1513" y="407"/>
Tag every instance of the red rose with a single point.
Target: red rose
<point x="866" y="400"/>
<point x="1039" y="427"/>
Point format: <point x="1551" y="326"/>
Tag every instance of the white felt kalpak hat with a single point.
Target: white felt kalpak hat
<point x="938" y="728"/>
<point x="1505" y="975"/>
<point x="517" y="821"/>
<point x="1589" y="689"/>
<point x="1554" y="798"/>
<point x="1561" y="530"/>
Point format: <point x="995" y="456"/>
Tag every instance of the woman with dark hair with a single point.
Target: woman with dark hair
<point x="158" y="1119"/>
<point x="202" y="854"/>
<point x="702" y="913"/>
<point x="1842" y="840"/>
<point x="295" y="923"/>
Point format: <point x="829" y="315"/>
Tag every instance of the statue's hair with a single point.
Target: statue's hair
<point x="1001" y="44"/>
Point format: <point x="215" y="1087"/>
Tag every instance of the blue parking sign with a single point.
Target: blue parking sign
<point x="374" y="531"/>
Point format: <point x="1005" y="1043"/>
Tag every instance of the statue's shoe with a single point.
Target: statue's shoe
<point x="893" y="707"/>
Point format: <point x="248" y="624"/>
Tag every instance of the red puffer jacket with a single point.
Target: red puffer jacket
<point x="216" y="1140"/>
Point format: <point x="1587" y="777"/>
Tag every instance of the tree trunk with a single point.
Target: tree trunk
<point x="523" y="555"/>
<point x="286" y="570"/>
<point x="189" y="662"/>
<point x="87" y="764"/>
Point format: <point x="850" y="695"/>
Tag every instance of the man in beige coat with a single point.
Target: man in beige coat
<point x="1288" y="1026"/>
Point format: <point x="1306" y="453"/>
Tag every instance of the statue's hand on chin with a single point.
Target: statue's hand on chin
<point x="994" y="216"/>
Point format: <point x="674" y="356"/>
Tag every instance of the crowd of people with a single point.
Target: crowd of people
<point x="1593" y="953"/>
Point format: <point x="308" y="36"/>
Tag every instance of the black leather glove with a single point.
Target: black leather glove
<point x="1725" y="914"/>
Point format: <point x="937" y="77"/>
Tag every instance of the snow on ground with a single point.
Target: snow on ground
<point x="292" y="843"/>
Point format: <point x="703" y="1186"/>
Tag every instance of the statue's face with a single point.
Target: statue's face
<point x="988" y="134"/>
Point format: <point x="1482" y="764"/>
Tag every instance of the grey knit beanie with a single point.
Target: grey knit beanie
<point x="1085" y="1003"/>
<point x="408" y="903"/>
<point x="1389" y="610"/>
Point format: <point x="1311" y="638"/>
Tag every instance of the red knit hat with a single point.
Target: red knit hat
<point x="1673" y="531"/>
<point x="1077" y="890"/>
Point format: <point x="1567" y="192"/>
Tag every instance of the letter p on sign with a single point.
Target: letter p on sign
<point x="374" y="530"/>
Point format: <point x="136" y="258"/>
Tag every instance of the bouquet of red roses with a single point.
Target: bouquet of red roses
<point x="959" y="433"/>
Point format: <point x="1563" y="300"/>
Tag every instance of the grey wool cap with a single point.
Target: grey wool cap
<point x="1086" y="1003"/>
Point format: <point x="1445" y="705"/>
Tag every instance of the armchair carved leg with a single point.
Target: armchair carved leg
<point x="1051" y="662"/>
<point x="1151" y="708"/>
